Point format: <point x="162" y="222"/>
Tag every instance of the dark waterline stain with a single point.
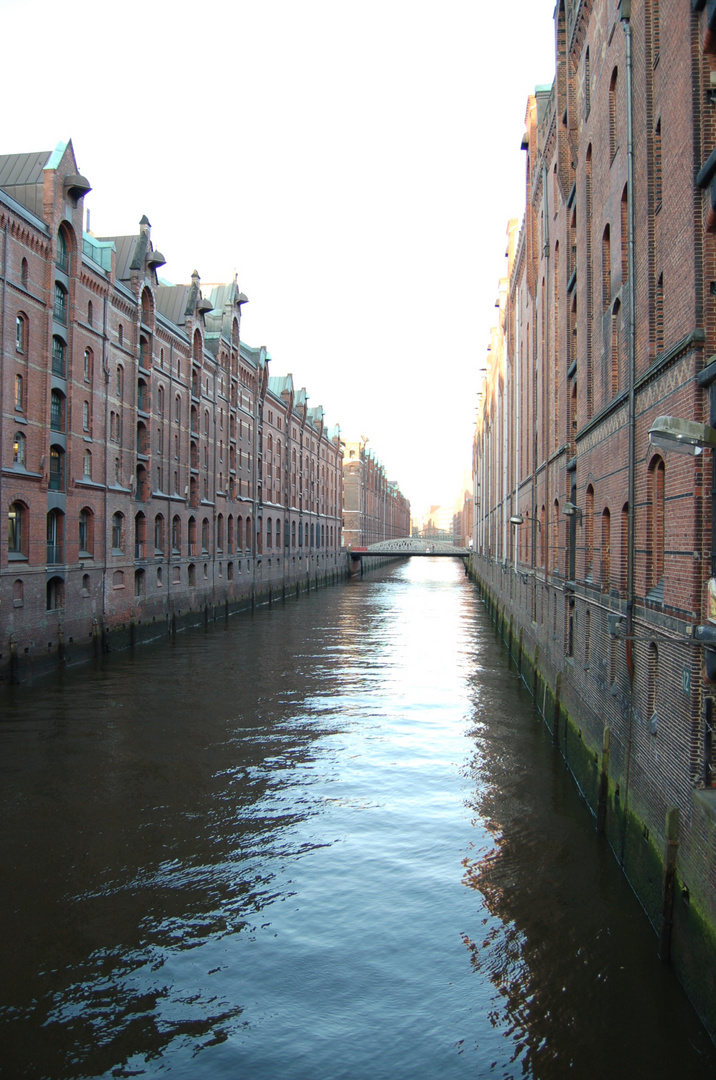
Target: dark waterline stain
<point x="329" y="840"/>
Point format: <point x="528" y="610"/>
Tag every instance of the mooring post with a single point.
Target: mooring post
<point x="603" y="780"/>
<point x="671" y="847"/>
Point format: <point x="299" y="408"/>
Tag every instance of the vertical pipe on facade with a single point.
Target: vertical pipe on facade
<point x="625" y="15"/>
<point x="505" y="444"/>
<point x="517" y="417"/>
<point x="170" y="516"/>
<point x="631" y="344"/>
<point x="106" y="372"/>
<point x="545" y="369"/>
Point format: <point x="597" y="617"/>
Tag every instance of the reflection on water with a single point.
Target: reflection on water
<point x="330" y="840"/>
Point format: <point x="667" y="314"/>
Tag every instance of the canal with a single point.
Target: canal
<point x="329" y="841"/>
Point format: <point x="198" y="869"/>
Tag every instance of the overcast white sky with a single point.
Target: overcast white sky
<point x="355" y="163"/>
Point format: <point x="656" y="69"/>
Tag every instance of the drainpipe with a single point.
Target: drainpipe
<point x="107" y="377"/>
<point x="545" y="369"/>
<point x="625" y="16"/>
<point x="517" y="419"/>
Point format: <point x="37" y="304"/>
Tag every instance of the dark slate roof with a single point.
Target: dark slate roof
<point x="21" y="177"/>
<point x="172" y="301"/>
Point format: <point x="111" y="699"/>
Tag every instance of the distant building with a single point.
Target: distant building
<point x="374" y="508"/>
<point x="152" y="470"/>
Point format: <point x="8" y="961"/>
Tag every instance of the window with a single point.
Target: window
<point x="85" y="416"/>
<point x="589" y="534"/>
<point x="57" y="468"/>
<point x="606" y="548"/>
<point x="657" y="167"/>
<point x="177" y="409"/>
<point x="655" y="514"/>
<point x="87" y="465"/>
<point x="160" y="401"/>
<point x="140" y="535"/>
<point x="230" y="535"/>
<point x="606" y="267"/>
<point x="18" y="449"/>
<point x="58" y="356"/>
<point x="60" y="308"/>
<point x="118" y="579"/>
<point x="613" y="115"/>
<point x="269" y="533"/>
<point x="57" y="411"/>
<point x="220" y="532"/>
<point x="86" y="532"/>
<point x="176" y="534"/>
<point x="278" y="532"/>
<point x="117" y="525"/>
<point x="55" y="593"/>
<point x="21" y="333"/>
<point x="615" y="349"/>
<point x="205" y="535"/>
<point x="88" y="365"/>
<point x="659" y="314"/>
<point x="120" y="334"/>
<point x="24" y="274"/>
<point x="191" y="574"/>
<point x="19" y="393"/>
<point x="62" y="260"/>
<point x="120" y="381"/>
<point x="55" y="521"/>
<point x="16" y="522"/>
<point x="89" y="313"/>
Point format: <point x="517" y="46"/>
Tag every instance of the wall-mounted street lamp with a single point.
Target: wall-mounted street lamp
<point x="671" y="433"/>
<point x="517" y="519"/>
<point x="572" y="510"/>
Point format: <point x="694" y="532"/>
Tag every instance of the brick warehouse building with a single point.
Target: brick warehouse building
<point x="594" y="543"/>
<point x="153" y="473"/>
<point x="374" y="508"/>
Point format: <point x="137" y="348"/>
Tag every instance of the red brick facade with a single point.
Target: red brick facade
<point x="151" y="468"/>
<point x="593" y="546"/>
<point x="374" y="508"/>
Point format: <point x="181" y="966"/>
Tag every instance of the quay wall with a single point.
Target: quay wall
<point x="59" y="639"/>
<point x="664" y="842"/>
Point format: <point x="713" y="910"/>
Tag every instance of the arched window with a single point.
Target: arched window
<point x="59" y="350"/>
<point x="19" y="393"/>
<point x="60" y="306"/>
<point x="88" y="365"/>
<point x="176" y="534"/>
<point x="656" y="522"/>
<point x="21" y="332"/>
<point x="117" y="533"/>
<point x="139" y="583"/>
<point x="90" y="313"/>
<point x="205" y="535"/>
<point x="589" y="534"/>
<point x="278" y="532"/>
<point x="159" y="534"/>
<point x="613" y="145"/>
<point x="120" y="381"/>
<point x="55" y="530"/>
<point x="86" y="416"/>
<point x="160" y="400"/>
<point x="143" y="396"/>
<point x="17" y="518"/>
<point x="24" y="274"/>
<point x="57" y="468"/>
<point x="19" y="444"/>
<point x="86" y="532"/>
<point x="230" y="535"/>
<point x="606" y="548"/>
<point x="269" y="533"/>
<point x="57" y="411"/>
<point x="140" y="535"/>
<point x="87" y="465"/>
<point x="606" y="267"/>
<point x="192" y="536"/>
<point x="615" y="350"/>
<point x="55" y="593"/>
<point x="62" y="260"/>
<point x="220" y="532"/>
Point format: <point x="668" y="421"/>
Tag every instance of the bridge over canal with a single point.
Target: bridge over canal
<point x="410" y="547"/>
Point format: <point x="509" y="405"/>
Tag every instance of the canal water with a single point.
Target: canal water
<point x="329" y="840"/>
